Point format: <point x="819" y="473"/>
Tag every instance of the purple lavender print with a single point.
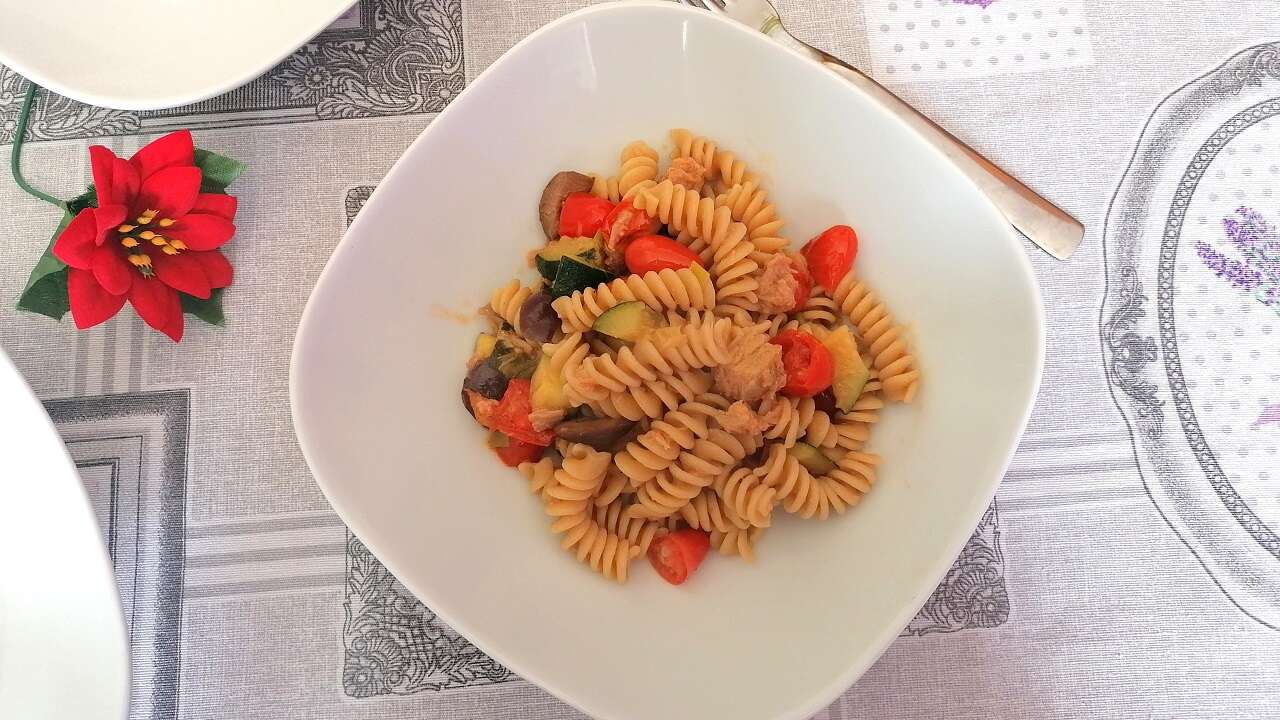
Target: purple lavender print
<point x="980" y="3"/>
<point x="1270" y="416"/>
<point x="1256" y="265"/>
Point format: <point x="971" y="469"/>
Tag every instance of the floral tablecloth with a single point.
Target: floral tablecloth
<point x="1130" y="566"/>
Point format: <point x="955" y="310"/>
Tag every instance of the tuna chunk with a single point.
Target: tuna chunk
<point x="778" y="286"/>
<point x="687" y="172"/>
<point x="754" y="371"/>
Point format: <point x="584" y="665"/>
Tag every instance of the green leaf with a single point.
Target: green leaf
<point x="46" y="289"/>
<point x="218" y="171"/>
<point x="88" y="198"/>
<point x="47" y="296"/>
<point x="209" y="310"/>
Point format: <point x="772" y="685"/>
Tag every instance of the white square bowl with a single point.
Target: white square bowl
<point x="378" y="362"/>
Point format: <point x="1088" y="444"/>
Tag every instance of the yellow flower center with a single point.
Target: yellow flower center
<point x="132" y="237"/>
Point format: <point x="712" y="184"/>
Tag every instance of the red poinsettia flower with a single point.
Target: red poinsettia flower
<point x="152" y="236"/>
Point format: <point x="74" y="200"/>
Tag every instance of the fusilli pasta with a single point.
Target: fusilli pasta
<point x="885" y="340"/>
<point x="661" y="445"/>
<point x="651" y="400"/>
<point x="737" y="542"/>
<point x="507" y="300"/>
<point x="683" y="289"/>
<point x="750" y="206"/>
<point x="697" y="411"/>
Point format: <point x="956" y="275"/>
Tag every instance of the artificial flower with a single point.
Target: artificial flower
<point x="152" y="236"/>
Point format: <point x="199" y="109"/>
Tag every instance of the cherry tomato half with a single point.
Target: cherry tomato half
<point x="831" y="254"/>
<point x="518" y="451"/>
<point x="677" y="555"/>
<point x="804" y="285"/>
<point x="808" y="363"/>
<point x="583" y="215"/>
<point x="657" y="252"/>
<point x="625" y="222"/>
<point x="512" y="415"/>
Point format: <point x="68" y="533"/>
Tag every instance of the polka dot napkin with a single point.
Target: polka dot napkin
<point x="926" y="39"/>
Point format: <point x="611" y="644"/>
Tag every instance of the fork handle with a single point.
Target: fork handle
<point x="1044" y="223"/>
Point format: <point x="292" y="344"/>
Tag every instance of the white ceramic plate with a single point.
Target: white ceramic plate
<point x="62" y="640"/>
<point x="377" y="365"/>
<point x="150" y="54"/>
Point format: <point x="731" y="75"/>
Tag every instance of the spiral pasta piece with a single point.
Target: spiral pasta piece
<point x="723" y="166"/>
<point x="539" y="475"/>
<point x="639" y="164"/>
<point x="749" y="205"/>
<point x="856" y="470"/>
<point x="737" y="542"/>
<point x="616" y="519"/>
<point x="699" y="341"/>
<point x="885" y="340"/>
<point x="667" y="289"/>
<point x="507" y="300"/>
<point x="606" y="188"/>
<point x="747" y="497"/>
<point x="798" y="491"/>
<point x="729" y="170"/>
<point x="580" y="473"/>
<point x="725" y="247"/>
<point x="695" y="469"/>
<point x="686" y="144"/>
<point x="709" y="511"/>
<point x="614" y="484"/>
<point x="819" y="309"/>
<point x="821" y="431"/>
<point x="567" y="498"/>
<point x="792" y="420"/>
<point x="601" y="550"/>
<point x="651" y="400"/>
<point x="599" y="375"/>
<point x="656" y="449"/>
<point x="564" y="355"/>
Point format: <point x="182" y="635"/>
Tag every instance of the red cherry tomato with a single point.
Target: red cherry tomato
<point x="518" y="451"/>
<point x="677" y="555"/>
<point x="831" y="254"/>
<point x="583" y="215"/>
<point x="625" y="222"/>
<point x="512" y="415"/>
<point x="804" y="285"/>
<point x="810" y="368"/>
<point x="656" y="252"/>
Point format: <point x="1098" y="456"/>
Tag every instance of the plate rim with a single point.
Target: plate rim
<point x="1131" y="251"/>
<point x="83" y="509"/>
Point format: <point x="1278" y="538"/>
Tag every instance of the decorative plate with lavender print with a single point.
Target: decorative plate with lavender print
<point x="1190" y="324"/>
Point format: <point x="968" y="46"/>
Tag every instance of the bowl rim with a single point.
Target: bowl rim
<point x="854" y="670"/>
<point x="39" y="74"/>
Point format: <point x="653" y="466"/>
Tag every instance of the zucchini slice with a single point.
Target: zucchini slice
<point x="627" y="321"/>
<point x="589" y="250"/>
<point x="811" y="458"/>
<point x="573" y="274"/>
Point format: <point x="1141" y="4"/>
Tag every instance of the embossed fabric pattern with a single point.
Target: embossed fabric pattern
<point x="1129" y="566"/>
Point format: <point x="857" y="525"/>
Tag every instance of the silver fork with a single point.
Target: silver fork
<point x="1044" y="223"/>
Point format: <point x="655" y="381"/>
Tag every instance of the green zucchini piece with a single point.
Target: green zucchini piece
<point x="574" y="274"/>
<point x="811" y="458"/>
<point x="588" y="250"/>
<point x="627" y="321"/>
<point x="517" y="365"/>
